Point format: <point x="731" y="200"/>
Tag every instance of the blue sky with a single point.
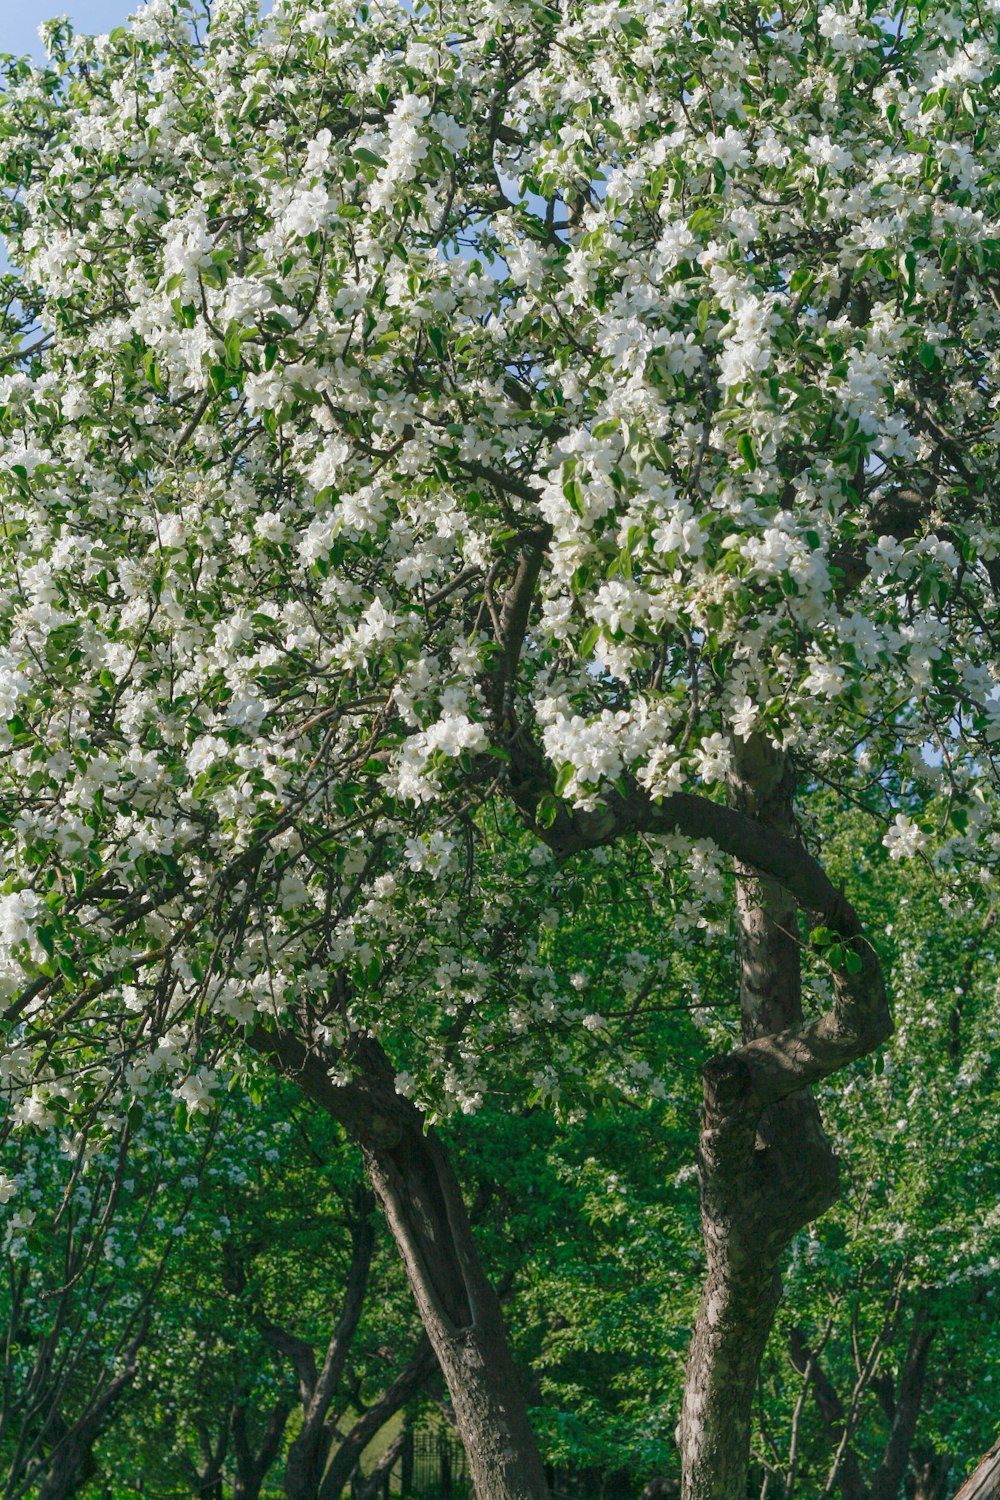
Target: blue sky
<point x="19" y="19"/>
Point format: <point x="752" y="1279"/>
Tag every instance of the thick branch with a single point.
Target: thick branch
<point x="295" y="1349"/>
<point x="414" y="1185"/>
<point x="406" y="1384"/>
<point x="789" y="1060"/>
<point x="357" y="1282"/>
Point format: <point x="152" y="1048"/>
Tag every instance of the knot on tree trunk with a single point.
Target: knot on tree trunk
<point x="729" y="1092"/>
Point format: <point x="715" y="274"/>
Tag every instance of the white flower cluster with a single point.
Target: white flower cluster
<point x="341" y="496"/>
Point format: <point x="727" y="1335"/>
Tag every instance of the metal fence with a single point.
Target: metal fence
<point x="426" y="1465"/>
<point x="434" y="1468"/>
<point x="431" y="1465"/>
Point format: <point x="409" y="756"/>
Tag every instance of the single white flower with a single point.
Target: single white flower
<point x="904" y="838"/>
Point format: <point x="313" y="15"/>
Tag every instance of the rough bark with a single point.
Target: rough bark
<point x="984" y="1482"/>
<point x="416" y="1186"/>
<point x="765" y="1166"/>
<point x="730" y="1334"/>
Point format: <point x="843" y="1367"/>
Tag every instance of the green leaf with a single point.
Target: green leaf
<point x="547" y="811"/>
<point x="233" y="344"/>
<point x="589" y="640"/>
<point x="574" y="494"/>
<point x="370" y="158"/>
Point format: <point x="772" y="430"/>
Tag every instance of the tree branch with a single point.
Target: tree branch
<point x="831" y="1410"/>
<point x="892" y="1468"/>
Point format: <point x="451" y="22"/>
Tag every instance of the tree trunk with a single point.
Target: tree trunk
<point x="417" y="1187"/>
<point x="765" y="1168"/>
<point x="984" y="1483"/>
<point x="929" y="1477"/>
<point x="252" y="1467"/>
<point x="415" y="1183"/>
<point x="754" y="1200"/>
<point x="71" y="1466"/>
<point x="730" y="1334"/>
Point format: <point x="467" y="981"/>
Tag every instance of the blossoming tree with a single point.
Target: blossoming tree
<point x="589" y="408"/>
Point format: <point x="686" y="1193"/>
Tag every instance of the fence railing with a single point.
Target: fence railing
<point x="428" y="1466"/>
<point x="431" y="1465"/>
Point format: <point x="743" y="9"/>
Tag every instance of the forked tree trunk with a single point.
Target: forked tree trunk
<point x="252" y="1464"/>
<point x="415" y="1183"/>
<point x="344" y="1461"/>
<point x="765" y="1166"/>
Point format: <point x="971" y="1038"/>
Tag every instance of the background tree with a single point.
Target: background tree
<point x="87" y="1243"/>
<point x="893" y="1291"/>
